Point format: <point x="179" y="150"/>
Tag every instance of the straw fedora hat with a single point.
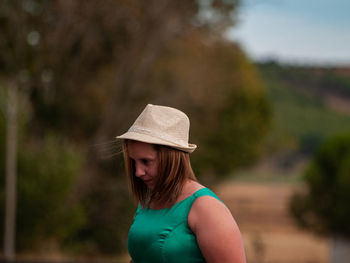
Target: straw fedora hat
<point x="161" y="125"/>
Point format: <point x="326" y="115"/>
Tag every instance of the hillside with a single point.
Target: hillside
<point x="320" y="81"/>
<point x="308" y="104"/>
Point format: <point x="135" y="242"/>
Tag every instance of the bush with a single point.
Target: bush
<point x="45" y="209"/>
<point x="324" y="207"/>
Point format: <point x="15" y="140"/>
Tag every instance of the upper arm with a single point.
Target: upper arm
<point x="217" y="233"/>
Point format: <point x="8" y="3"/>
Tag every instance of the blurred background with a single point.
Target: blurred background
<point x="266" y="84"/>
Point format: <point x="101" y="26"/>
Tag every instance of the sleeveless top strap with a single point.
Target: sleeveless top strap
<point x="199" y="193"/>
<point x="205" y="192"/>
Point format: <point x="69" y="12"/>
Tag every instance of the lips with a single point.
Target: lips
<point x="147" y="181"/>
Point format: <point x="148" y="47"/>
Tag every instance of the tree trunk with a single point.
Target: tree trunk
<point x="11" y="165"/>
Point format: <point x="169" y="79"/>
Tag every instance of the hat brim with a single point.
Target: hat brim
<point x="154" y="140"/>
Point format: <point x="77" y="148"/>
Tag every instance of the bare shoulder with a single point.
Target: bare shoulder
<point x="190" y="188"/>
<point x="211" y="209"/>
<point x="194" y="186"/>
<point x="217" y="233"/>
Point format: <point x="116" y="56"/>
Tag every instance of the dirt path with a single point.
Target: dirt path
<point x="270" y="235"/>
<point x="339" y="104"/>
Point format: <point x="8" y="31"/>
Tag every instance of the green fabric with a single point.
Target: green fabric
<point x="163" y="236"/>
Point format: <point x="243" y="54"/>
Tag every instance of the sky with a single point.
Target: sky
<point x="295" y="31"/>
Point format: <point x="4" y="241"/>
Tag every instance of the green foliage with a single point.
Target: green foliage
<point x="110" y="212"/>
<point x="219" y="89"/>
<point x="45" y="181"/>
<point x="107" y="52"/>
<point x="339" y="83"/>
<point x="324" y="207"/>
<point x="234" y="135"/>
<point x="301" y="120"/>
<point x="236" y="139"/>
<point x="46" y="210"/>
<point x="88" y="72"/>
<point x="323" y="80"/>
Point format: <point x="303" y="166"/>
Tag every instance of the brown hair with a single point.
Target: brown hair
<point x="173" y="170"/>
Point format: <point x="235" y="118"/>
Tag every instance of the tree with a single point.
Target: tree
<point x="324" y="206"/>
<point x="214" y="79"/>
<point x="87" y="68"/>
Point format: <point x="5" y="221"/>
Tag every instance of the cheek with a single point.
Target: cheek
<point x="154" y="170"/>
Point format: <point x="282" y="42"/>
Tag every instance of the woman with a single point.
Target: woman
<point x="178" y="219"/>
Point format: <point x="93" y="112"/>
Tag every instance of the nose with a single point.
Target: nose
<point x="139" y="170"/>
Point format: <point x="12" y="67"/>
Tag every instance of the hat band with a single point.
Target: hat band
<point x="165" y="137"/>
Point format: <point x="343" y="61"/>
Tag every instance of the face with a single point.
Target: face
<point x="145" y="160"/>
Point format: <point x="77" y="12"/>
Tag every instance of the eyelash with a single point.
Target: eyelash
<point x="145" y="162"/>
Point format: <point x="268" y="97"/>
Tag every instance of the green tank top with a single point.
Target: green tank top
<point x="163" y="236"/>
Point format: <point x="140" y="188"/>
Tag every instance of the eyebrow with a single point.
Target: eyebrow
<point x="144" y="158"/>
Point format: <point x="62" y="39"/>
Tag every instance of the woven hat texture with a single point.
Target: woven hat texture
<point x="161" y="125"/>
